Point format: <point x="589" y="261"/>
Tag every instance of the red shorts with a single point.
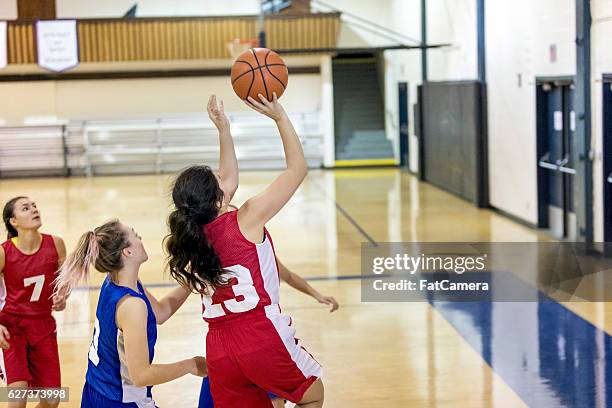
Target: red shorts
<point x="33" y="356"/>
<point x="257" y="354"/>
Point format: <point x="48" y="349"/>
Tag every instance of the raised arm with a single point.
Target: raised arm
<point x="169" y="304"/>
<point x="132" y="320"/>
<point x="228" y="164"/>
<point x="258" y="210"/>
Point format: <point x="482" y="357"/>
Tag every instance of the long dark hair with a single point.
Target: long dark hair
<point x="192" y="261"/>
<point x="9" y="212"/>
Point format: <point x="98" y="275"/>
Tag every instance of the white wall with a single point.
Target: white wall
<point x="518" y="36"/>
<point x="403" y="66"/>
<point x="379" y="12"/>
<point x="151" y="8"/>
<point x="452" y="22"/>
<point x="601" y="55"/>
<point x="449" y="22"/>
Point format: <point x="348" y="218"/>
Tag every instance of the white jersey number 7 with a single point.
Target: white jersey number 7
<point x="38" y="282"/>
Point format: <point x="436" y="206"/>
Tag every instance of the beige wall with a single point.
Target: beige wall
<point x="18" y="101"/>
<point x="8" y="9"/>
<point x="116" y="98"/>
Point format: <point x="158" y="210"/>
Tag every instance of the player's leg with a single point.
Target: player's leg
<point x="14" y="365"/>
<point x="313" y="397"/>
<point x="43" y="360"/>
<point x="279" y="364"/>
<point x="18" y="402"/>
<point x="206" y="400"/>
<point x="229" y="386"/>
<point x="48" y="403"/>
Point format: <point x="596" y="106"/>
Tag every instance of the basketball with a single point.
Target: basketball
<point x="259" y="71"/>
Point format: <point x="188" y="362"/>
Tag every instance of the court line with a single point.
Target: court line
<point x="350" y="219"/>
<point x="355" y="224"/>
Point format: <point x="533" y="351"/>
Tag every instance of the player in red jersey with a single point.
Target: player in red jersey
<point x="29" y="262"/>
<point x="229" y="258"/>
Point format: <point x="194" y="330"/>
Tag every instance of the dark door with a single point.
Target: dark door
<point x="556" y="126"/>
<point x="403" y="125"/>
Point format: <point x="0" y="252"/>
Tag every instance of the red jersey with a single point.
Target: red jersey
<point x="252" y="271"/>
<point x="27" y="286"/>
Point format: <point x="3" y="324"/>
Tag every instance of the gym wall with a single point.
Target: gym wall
<point x="154" y="8"/>
<point x="120" y="98"/>
<point x="512" y="68"/>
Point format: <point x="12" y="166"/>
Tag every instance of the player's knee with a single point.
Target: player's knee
<point x="314" y="393"/>
<point x="49" y="404"/>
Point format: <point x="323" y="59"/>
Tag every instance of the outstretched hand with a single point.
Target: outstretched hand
<point x="330" y="301"/>
<point x="199" y="367"/>
<point x="216" y="113"/>
<point x="59" y="303"/>
<point x="273" y="110"/>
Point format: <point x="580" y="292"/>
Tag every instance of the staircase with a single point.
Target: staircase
<point x="359" y="111"/>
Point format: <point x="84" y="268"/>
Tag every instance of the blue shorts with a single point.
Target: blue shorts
<point x="93" y="399"/>
<point x="206" y="400"/>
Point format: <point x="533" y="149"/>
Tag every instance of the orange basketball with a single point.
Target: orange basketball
<point x="259" y="71"/>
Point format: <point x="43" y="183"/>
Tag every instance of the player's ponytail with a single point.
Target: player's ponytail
<point x="7" y="214"/>
<point x="76" y="266"/>
<point x="100" y="248"/>
<point x="192" y="261"/>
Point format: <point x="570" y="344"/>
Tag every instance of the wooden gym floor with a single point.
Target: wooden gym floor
<point x="374" y="354"/>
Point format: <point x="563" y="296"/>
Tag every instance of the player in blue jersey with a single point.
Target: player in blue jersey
<point x="120" y="370"/>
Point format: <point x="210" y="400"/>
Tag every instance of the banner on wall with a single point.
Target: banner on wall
<point x="2" y="44"/>
<point x="57" y="44"/>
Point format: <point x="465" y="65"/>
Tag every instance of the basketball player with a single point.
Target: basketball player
<point x="28" y="264"/>
<point x="297" y="282"/>
<point x="120" y="370"/>
<point x="229" y="258"/>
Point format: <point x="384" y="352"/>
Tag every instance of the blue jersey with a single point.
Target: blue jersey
<point x="107" y="373"/>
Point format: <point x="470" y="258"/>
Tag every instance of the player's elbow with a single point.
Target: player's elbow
<point x="230" y="185"/>
<point x="300" y="170"/>
<point x="139" y="379"/>
<point x="304" y="170"/>
<point x="162" y="313"/>
<point x="140" y="375"/>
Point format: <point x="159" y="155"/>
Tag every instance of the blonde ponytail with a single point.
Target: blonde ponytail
<point x="76" y="267"/>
